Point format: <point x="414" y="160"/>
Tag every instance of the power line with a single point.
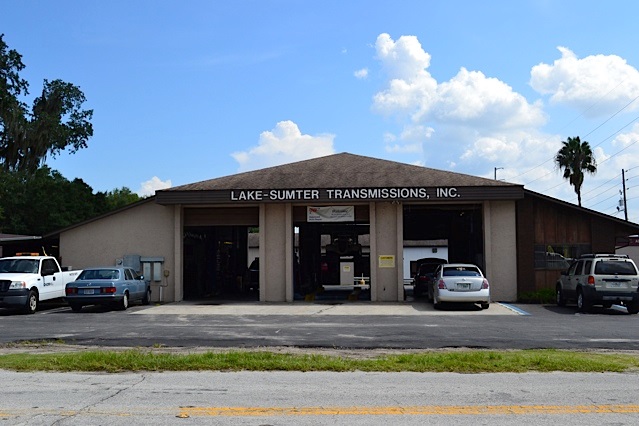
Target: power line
<point x="613" y="195"/>
<point x="605" y="139"/>
<point x="616" y="177"/>
<point x="612" y="116"/>
<point x="603" y="161"/>
<point x="593" y="130"/>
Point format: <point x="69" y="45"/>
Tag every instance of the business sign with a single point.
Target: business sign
<point x="335" y="196"/>
<point x="330" y="214"/>
<point x="343" y="194"/>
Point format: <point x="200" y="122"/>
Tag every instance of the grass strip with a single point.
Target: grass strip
<point x="470" y="361"/>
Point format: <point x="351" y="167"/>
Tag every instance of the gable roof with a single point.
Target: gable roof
<point x="337" y="171"/>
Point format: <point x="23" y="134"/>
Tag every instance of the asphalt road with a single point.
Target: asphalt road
<point x="318" y="398"/>
<point x="414" y="325"/>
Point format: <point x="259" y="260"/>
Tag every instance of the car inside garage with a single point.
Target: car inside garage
<point x="460" y="225"/>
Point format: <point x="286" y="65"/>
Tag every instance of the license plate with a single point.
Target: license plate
<point x="615" y="285"/>
<point x="463" y="286"/>
<point x="88" y="291"/>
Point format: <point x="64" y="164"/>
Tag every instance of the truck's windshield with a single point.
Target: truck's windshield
<point x="29" y="266"/>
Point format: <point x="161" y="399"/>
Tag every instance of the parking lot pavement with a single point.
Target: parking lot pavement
<point x="301" y="308"/>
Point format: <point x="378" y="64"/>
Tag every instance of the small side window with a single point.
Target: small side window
<point x="128" y="274"/>
<point x="587" y="267"/>
<point x="574" y="267"/>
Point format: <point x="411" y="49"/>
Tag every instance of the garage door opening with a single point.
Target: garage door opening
<point x="332" y="259"/>
<point x="216" y="263"/>
<point x="453" y="233"/>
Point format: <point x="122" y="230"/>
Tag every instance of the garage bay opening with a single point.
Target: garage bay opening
<point x="332" y="260"/>
<point x="217" y="254"/>
<point x="439" y="234"/>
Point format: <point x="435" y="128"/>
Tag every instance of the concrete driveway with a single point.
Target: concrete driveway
<point x="328" y="309"/>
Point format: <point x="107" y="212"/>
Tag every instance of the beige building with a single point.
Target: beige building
<point x="192" y="240"/>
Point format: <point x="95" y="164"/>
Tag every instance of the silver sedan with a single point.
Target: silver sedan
<point x="460" y="282"/>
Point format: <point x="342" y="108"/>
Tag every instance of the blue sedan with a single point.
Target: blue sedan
<point x="113" y="286"/>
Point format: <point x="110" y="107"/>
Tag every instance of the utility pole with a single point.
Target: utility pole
<point x="497" y="168"/>
<point x="625" y="205"/>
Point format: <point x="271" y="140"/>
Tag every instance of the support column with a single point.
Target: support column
<point x="290" y="249"/>
<point x="400" y="250"/>
<point x="178" y="244"/>
<point x="274" y="254"/>
<point x="386" y="252"/>
<point x="372" y="229"/>
<point x="500" y="248"/>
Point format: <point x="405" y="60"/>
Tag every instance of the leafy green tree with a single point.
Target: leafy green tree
<point x="120" y="198"/>
<point x="56" y="121"/>
<point x="44" y="201"/>
<point x="576" y="158"/>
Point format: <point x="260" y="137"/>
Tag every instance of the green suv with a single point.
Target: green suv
<point x="600" y="279"/>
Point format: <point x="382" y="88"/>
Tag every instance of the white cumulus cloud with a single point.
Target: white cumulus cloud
<point x="477" y="124"/>
<point x="469" y="119"/>
<point x="605" y="80"/>
<point x="149" y="187"/>
<point x="361" y="74"/>
<point x="284" y="144"/>
<point x="470" y="98"/>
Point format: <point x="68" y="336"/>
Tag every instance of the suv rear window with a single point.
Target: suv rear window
<point x="614" y="267"/>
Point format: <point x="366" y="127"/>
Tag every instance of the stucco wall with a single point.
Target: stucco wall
<point x="146" y="229"/>
<point x="500" y="239"/>
<point x="274" y="254"/>
<point x="387" y="283"/>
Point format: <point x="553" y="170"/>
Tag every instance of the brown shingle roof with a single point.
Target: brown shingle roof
<point x="341" y="170"/>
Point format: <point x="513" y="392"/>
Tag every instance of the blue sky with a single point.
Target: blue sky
<point x="192" y="90"/>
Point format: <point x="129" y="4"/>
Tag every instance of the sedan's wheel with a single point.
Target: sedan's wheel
<point x="561" y="300"/>
<point x="147" y="297"/>
<point x="583" y="305"/>
<point x="76" y="308"/>
<point x="124" y="303"/>
<point x="32" y="303"/>
<point x="485" y="305"/>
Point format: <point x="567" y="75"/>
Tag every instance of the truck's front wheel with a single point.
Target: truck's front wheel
<point x="32" y="302"/>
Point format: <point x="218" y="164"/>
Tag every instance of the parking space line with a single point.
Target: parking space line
<point x="515" y="309"/>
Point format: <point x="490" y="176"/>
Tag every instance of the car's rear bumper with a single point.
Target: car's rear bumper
<point x="479" y="296"/>
<point x="594" y="296"/>
<point x="93" y="300"/>
<point x="13" y="298"/>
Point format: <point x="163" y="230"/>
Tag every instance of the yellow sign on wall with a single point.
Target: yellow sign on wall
<point x="386" y="261"/>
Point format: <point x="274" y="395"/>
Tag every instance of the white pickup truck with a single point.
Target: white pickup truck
<point x="27" y="280"/>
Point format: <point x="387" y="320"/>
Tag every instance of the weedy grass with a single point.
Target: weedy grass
<point x="465" y="361"/>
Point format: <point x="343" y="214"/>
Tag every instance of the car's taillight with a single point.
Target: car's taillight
<point x="71" y="290"/>
<point x="484" y="285"/>
<point x="108" y="290"/>
<point x="591" y="280"/>
<point x="441" y="284"/>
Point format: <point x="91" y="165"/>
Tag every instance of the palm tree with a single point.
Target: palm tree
<point x="575" y="158"/>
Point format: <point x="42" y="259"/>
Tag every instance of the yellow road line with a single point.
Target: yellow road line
<point x="425" y="410"/>
<point x="428" y="410"/>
